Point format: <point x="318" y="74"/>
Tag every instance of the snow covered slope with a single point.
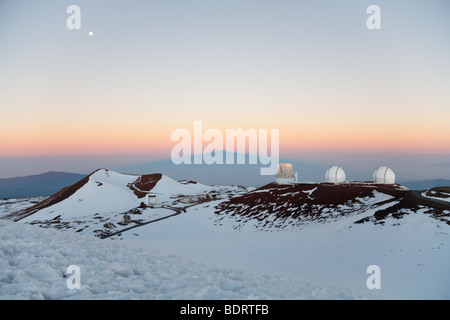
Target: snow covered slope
<point x="34" y="262"/>
<point x="282" y="206"/>
<point x="96" y="204"/>
<point x="106" y="191"/>
<point x="317" y="232"/>
<point x="438" y="193"/>
<point x="412" y="251"/>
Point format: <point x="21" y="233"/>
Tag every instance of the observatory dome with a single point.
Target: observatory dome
<point x="286" y="174"/>
<point x="335" y="174"/>
<point x="384" y="175"/>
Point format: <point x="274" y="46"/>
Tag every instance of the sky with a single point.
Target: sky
<point x="336" y="90"/>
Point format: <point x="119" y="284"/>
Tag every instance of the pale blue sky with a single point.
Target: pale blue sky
<point x="154" y="66"/>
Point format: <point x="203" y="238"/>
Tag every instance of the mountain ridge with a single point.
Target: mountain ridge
<point x="107" y="195"/>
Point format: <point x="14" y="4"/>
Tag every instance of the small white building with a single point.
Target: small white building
<point x="152" y="199"/>
<point x="285" y="174"/>
<point x="335" y="175"/>
<point x="384" y="175"/>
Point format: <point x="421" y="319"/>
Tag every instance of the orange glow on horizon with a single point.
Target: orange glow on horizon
<point x="129" y="142"/>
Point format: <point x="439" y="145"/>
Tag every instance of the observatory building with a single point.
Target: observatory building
<point x="152" y="199"/>
<point x="285" y="174"/>
<point x="335" y="175"/>
<point x="384" y="175"/>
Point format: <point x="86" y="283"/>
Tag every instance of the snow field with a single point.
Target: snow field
<point x="413" y="253"/>
<point x="34" y="261"/>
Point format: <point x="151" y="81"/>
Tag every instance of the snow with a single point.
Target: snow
<point x="98" y="205"/>
<point x="34" y="264"/>
<point x="105" y="191"/>
<point x="309" y="192"/>
<point x="167" y="187"/>
<point x="424" y="194"/>
<point x="199" y="254"/>
<point x="413" y="253"/>
<point x="8" y="206"/>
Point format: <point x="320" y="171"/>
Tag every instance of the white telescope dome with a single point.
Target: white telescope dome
<point x="286" y="174"/>
<point x="335" y="174"/>
<point x="384" y="175"/>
